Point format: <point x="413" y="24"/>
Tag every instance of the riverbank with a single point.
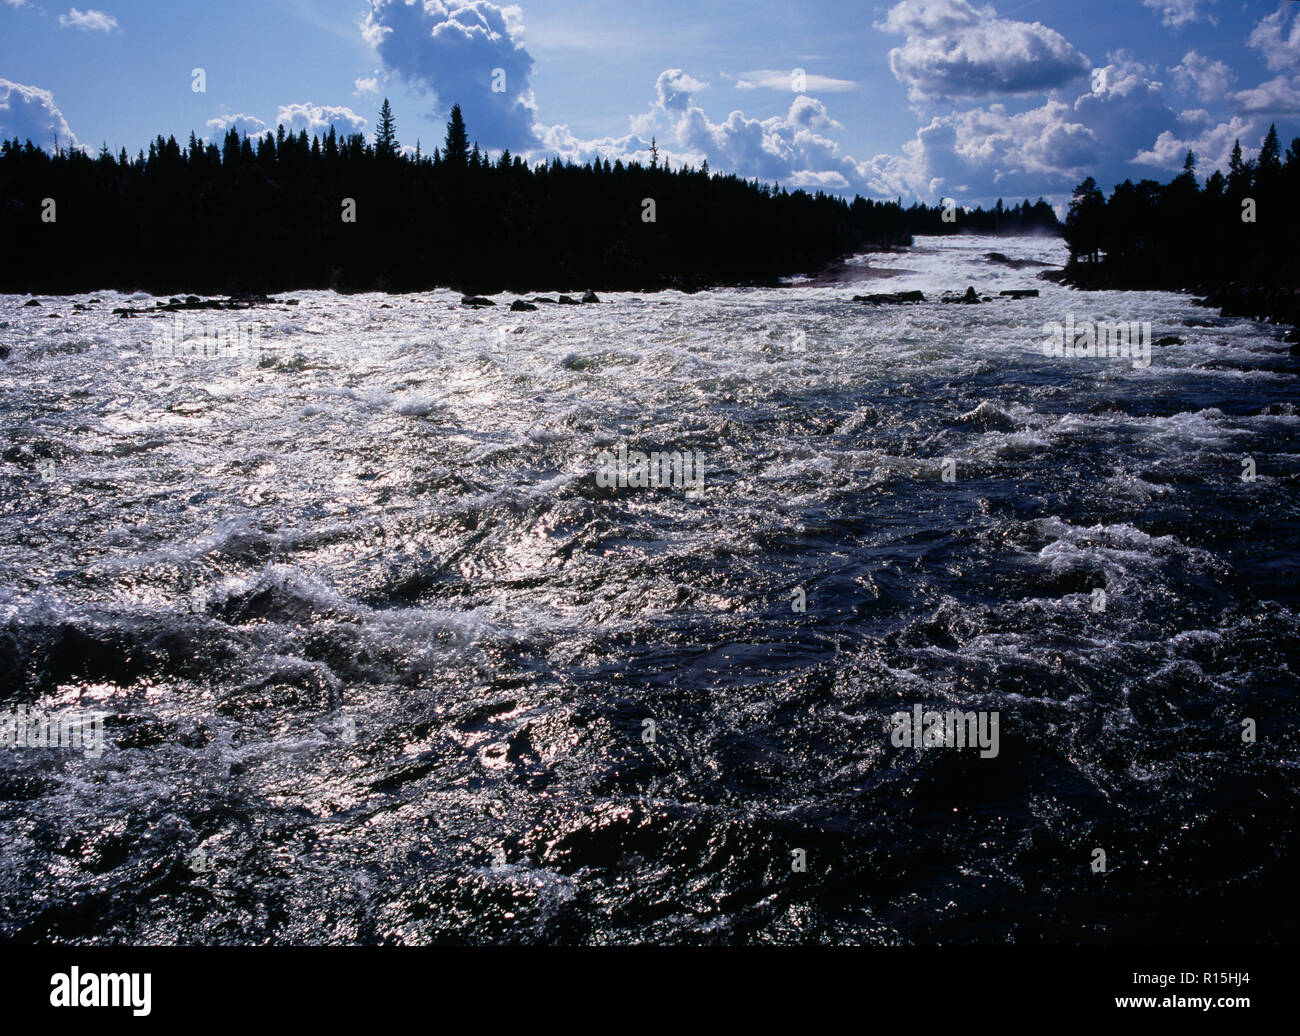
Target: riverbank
<point x="1277" y="304"/>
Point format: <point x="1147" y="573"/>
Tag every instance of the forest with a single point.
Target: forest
<point x="1185" y="234"/>
<point x="282" y="212"/>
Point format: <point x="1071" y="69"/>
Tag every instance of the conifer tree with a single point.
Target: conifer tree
<point x="386" y="135"/>
<point x="456" y="151"/>
<point x="1270" y="155"/>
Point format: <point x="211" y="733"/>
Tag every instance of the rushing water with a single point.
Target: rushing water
<point x="376" y="650"/>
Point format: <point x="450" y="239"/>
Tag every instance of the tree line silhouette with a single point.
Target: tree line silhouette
<point x="1239" y="227"/>
<point x="270" y="213"/>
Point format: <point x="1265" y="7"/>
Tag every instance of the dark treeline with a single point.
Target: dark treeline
<point x="1021" y="218"/>
<point x="268" y="214"/>
<point x="1234" y="228"/>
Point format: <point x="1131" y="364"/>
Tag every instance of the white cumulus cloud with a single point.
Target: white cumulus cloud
<point x="1212" y="146"/>
<point x="1277" y="96"/>
<point x="1208" y="80"/>
<point x="1278" y="41"/>
<point x="1177" y="13"/>
<point x="674" y="88"/>
<point x="317" y="119"/>
<point x="466" y="52"/>
<point x="954" y="51"/>
<point x="246" y="125"/>
<point x="91" y="21"/>
<point x="29" y="113"/>
<point x="985" y="152"/>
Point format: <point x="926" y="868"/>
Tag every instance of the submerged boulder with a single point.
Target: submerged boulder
<point x="520" y="306"/>
<point x="970" y="298"/>
<point x="895" y="297"/>
<point x="1015" y="264"/>
<point x="1020" y="293"/>
<point x="476" y="301"/>
<point x="989" y="416"/>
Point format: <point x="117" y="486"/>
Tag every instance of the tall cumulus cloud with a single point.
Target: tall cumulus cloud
<point x="457" y="51"/>
<point x="29" y="113"/>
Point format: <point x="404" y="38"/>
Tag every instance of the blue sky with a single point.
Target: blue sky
<point x="920" y="99"/>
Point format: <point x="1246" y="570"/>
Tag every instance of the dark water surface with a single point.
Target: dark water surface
<point x="377" y="651"/>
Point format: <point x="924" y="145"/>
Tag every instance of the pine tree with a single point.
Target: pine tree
<point x="386" y="135"/>
<point x="456" y="151"/>
<point x="1083" y="221"/>
<point x="1270" y="155"/>
<point x="1236" y="167"/>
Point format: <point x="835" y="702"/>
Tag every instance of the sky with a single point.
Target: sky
<point x="919" y="99"/>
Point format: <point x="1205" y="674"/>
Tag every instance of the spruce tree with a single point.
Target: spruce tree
<point x="1270" y="155"/>
<point x="456" y="151"/>
<point x="386" y="135"/>
<point x="1238" y="174"/>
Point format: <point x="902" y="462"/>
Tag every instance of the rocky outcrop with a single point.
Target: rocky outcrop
<point x="1279" y="304"/>
<point x="891" y="298"/>
<point x="971" y="297"/>
<point x="176" y="305"/>
<point x="1267" y="302"/>
<point x="520" y="306"/>
<point x="1015" y="264"/>
<point x="476" y="301"/>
